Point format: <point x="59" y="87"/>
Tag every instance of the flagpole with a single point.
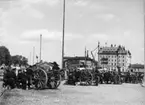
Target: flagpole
<point x="40" y="45"/>
<point x="63" y="33"/>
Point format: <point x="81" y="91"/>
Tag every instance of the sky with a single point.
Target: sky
<point x="117" y="22"/>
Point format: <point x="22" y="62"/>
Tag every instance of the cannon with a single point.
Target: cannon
<point x="82" y="76"/>
<point x="44" y="76"/>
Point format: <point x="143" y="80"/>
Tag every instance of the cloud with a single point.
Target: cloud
<point x="81" y="2"/>
<point x="30" y="11"/>
<point x="106" y="17"/>
<point x="49" y="2"/>
<point x="34" y="35"/>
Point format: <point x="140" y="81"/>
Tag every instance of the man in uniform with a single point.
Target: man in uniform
<point x="29" y="74"/>
<point x="97" y="76"/>
<point x="9" y="78"/>
<point x="22" y="79"/>
<point x="55" y="66"/>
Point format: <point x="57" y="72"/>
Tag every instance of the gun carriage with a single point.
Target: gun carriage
<point x="44" y="76"/>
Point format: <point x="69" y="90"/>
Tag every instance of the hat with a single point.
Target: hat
<point x="55" y="63"/>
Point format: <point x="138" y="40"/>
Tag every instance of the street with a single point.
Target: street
<point x="125" y="94"/>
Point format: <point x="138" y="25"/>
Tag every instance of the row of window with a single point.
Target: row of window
<point x="112" y="56"/>
<point x="115" y="64"/>
<point x="116" y="60"/>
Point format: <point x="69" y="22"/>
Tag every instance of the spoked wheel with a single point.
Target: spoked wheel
<point x="86" y="77"/>
<point x="55" y="80"/>
<point x="41" y="78"/>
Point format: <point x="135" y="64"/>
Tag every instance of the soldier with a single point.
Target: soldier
<point x="9" y="78"/>
<point x="97" y="76"/>
<point x="55" y="66"/>
<point x="22" y="79"/>
<point x="29" y="74"/>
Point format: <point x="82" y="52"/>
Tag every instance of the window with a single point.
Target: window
<point x="112" y="63"/>
<point x="123" y="64"/>
<point x="115" y="64"/>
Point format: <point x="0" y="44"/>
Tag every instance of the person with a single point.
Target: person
<point x="55" y="66"/>
<point x="97" y="76"/>
<point x="9" y="78"/>
<point x="22" y="79"/>
<point x="29" y="74"/>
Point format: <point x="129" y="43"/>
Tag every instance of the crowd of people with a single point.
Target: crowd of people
<point x="106" y="77"/>
<point x="22" y="77"/>
<point x="13" y="79"/>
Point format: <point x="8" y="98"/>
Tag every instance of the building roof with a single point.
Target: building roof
<point x="78" y="58"/>
<point x="141" y="66"/>
<point x="113" y="50"/>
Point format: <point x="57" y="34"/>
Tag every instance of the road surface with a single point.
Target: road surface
<point x="125" y="94"/>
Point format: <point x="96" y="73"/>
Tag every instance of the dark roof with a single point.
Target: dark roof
<point x="137" y="66"/>
<point x="78" y="58"/>
<point x="112" y="50"/>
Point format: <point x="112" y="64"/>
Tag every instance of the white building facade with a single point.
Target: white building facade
<point x="111" y="57"/>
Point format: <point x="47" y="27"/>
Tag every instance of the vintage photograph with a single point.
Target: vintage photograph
<point x="72" y="52"/>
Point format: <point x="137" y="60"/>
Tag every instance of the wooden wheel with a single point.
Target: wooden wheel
<point x="41" y="78"/>
<point x="55" y="80"/>
<point x="86" y="77"/>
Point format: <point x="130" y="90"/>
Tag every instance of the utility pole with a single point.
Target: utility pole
<point x="63" y="33"/>
<point x="40" y="46"/>
<point x="30" y="59"/>
<point x="144" y="40"/>
<point x="85" y="58"/>
<point x="33" y="55"/>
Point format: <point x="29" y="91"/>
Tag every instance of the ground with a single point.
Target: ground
<point x="125" y="94"/>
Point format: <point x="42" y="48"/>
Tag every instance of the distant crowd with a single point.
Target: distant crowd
<point x="16" y="77"/>
<point x="104" y="77"/>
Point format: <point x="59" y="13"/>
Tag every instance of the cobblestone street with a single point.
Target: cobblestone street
<point x="125" y="94"/>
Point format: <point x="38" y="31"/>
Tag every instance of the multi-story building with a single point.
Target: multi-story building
<point x="112" y="57"/>
<point x="79" y="62"/>
<point x="137" y="68"/>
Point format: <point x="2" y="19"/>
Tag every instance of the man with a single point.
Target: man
<point x="97" y="76"/>
<point x="9" y="78"/>
<point x="55" y="66"/>
<point x="29" y="74"/>
<point x="22" y="79"/>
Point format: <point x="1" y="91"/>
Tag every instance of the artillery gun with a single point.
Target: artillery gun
<point x="44" y="76"/>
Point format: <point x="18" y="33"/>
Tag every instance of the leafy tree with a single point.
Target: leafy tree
<point x="5" y="57"/>
<point x="20" y="60"/>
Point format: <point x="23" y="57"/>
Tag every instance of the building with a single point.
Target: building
<point x="79" y="62"/>
<point x="114" y="57"/>
<point x="137" y="68"/>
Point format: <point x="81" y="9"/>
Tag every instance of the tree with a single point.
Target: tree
<point x="20" y="60"/>
<point x="5" y="57"/>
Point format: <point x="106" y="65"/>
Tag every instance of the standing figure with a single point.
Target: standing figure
<point x="9" y="78"/>
<point x="22" y="79"/>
